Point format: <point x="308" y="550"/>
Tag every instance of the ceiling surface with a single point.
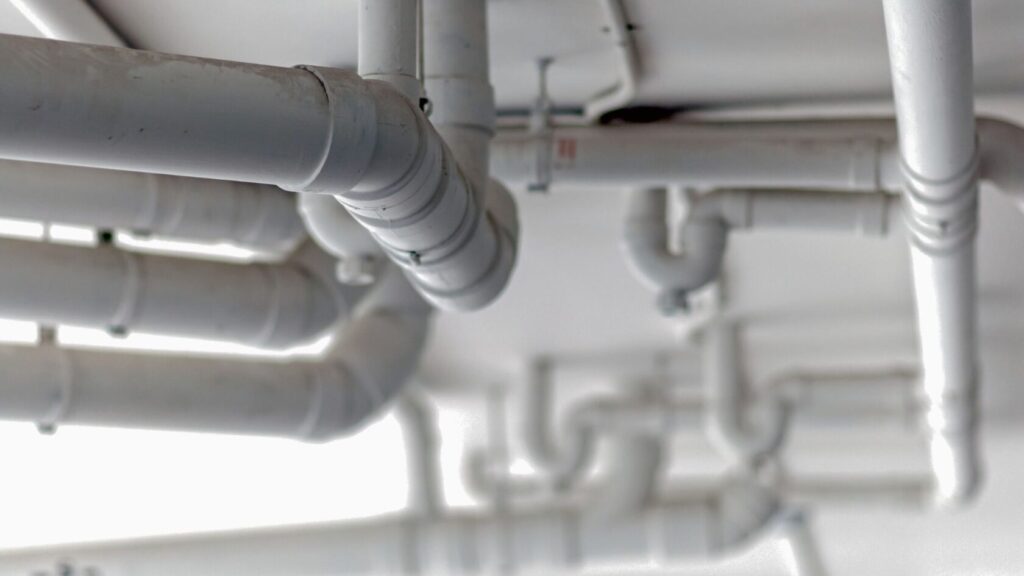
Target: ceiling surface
<point x="809" y="301"/>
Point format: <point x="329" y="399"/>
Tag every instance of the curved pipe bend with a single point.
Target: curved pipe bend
<point x="729" y="426"/>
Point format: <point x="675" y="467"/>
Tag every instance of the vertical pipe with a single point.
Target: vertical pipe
<point x="388" y="33"/>
<point x="457" y="78"/>
<point x="930" y="51"/>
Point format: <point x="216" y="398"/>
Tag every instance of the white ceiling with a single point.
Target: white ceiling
<point x="814" y="300"/>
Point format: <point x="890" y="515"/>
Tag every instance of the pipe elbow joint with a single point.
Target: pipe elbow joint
<point x="392" y="171"/>
<point x="645" y="243"/>
<point x="954" y="453"/>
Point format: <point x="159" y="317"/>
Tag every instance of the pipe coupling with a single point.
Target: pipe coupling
<point x="942" y="215"/>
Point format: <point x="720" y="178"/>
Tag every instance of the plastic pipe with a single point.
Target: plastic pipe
<point x="68" y="20"/>
<point x="627" y="63"/>
<point x="308" y="129"/>
<point x="729" y="424"/>
<point x="360" y="258"/>
<point x="422" y="452"/>
<point x="835" y="155"/>
<point x="262" y="218"/>
<point x="931" y="61"/>
<point x="266" y="305"/>
<point x="388" y="41"/>
<point x="795" y="533"/>
<point x="631" y="482"/>
<point x="550" y="540"/>
<point x="372" y="359"/>
<point x="704" y="233"/>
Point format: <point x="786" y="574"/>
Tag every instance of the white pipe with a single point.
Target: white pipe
<point x="309" y="129"/>
<point x="360" y="258"/>
<point x="931" y="60"/>
<point x="388" y="33"/>
<point x="457" y="79"/>
<point x="835" y="155"/>
<point x="544" y="541"/>
<point x="842" y="154"/>
<point x="262" y="218"/>
<point x="729" y="424"/>
<point x="857" y="494"/>
<point x="267" y="305"/>
<point x="68" y="20"/>
<point x="422" y="452"/>
<point x="705" y="232"/>
<point x="795" y="533"/>
<point x="627" y="63"/>
<point x="309" y="400"/>
<point x="842" y="397"/>
<point x="631" y="482"/>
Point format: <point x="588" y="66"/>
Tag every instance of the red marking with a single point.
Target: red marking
<point x="567" y="149"/>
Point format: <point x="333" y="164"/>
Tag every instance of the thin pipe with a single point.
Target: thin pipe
<point x="932" y="70"/>
<point x="627" y="63"/>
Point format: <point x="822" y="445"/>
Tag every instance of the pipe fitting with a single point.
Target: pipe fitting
<point x="646" y="244"/>
<point x="391" y="170"/>
<point x="942" y="215"/>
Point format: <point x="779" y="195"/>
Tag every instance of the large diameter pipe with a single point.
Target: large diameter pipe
<point x="258" y="217"/>
<point x="931" y="60"/>
<point x="320" y="400"/>
<point x="304" y="129"/>
<point x="552" y="540"/>
<point x="267" y="305"/>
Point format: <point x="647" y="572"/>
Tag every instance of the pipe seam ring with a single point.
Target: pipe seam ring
<point x="419" y="170"/>
<point x="942" y="215"/>
<point x="352" y="129"/>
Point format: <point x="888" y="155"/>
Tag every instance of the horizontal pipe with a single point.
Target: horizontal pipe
<point x="551" y="540"/>
<point x="266" y="305"/>
<point x="835" y="155"/>
<point x="306" y="129"/>
<point x="258" y="217"/>
<point x="851" y="155"/>
<point x="309" y="400"/>
<point x="704" y="233"/>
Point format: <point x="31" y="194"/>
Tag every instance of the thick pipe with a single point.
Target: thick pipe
<point x="550" y="540"/>
<point x="262" y="218"/>
<point x="321" y="400"/>
<point x="931" y="61"/>
<point x="704" y="233"/>
<point x="267" y="305"/>
<point x="306" y="129"/>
